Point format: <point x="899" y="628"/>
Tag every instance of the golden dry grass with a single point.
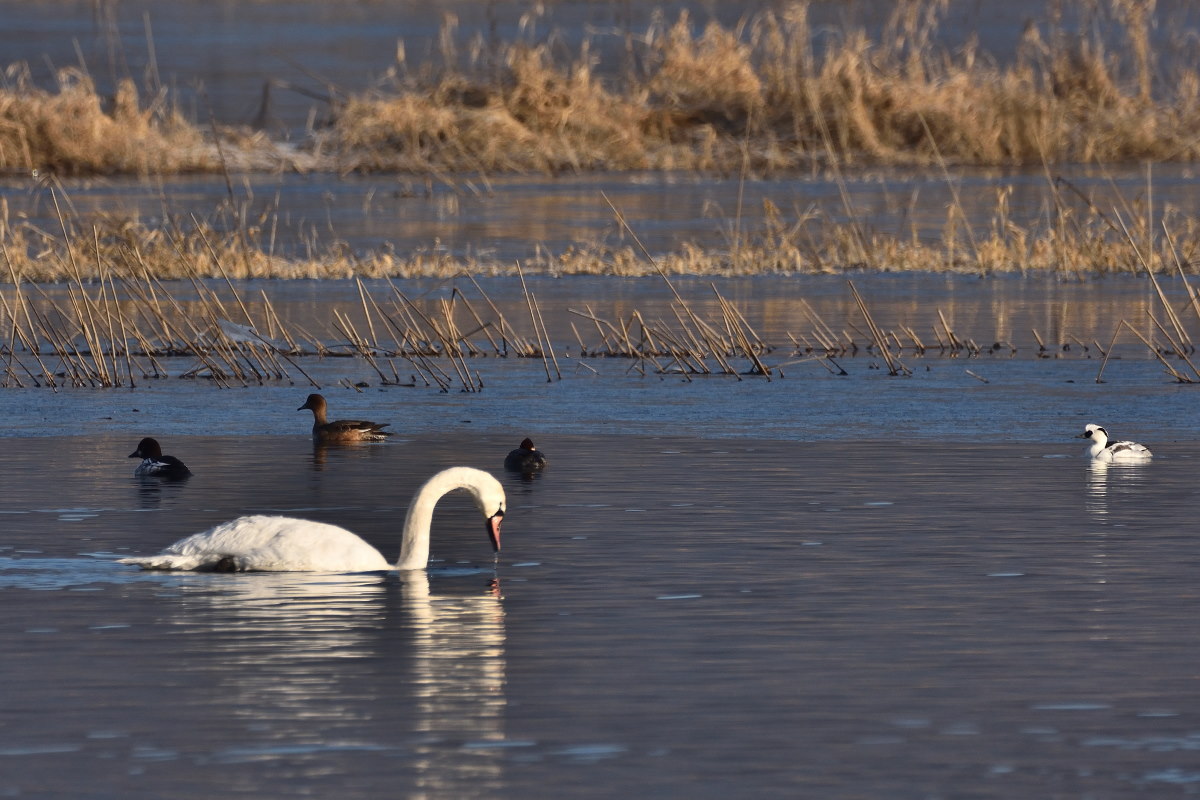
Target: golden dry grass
<point x="761" y="95"/>
<point x="73" y="131"/>
<point x="1068" y="238"/>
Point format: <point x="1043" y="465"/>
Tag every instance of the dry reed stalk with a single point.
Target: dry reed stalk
<point x="408" y="346"/>
<point x="536" y="329"/>
<point x="484" y="327"/>
<point x="591" y="315"/>
<point x="1174" y="347"/>
<point x="646" y="253"/>
<point x="29" y="344"/>
<point x="956" y="205"/>
<point x="578" y="339"/>
<point x="918" y="345"/>
<point x="647" y="334"/>
<point x="1172" y="317"/>
<point x="276" y="329"/>
<point x="735" y="322"/>
<point x="955" y="344"/>
<point x="692" y="349"/>
<point x="365" y="350"/>
<point x="1176" y="374"/>
<point x="604" y="339"/>
<point x="895" y="366"/>
<point x="506" y="331"/>
<point x="362" y="296"/>
<point x="545" y="334"/>
<point x="1107" y="353"/>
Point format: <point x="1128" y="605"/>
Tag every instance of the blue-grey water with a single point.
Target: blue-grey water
<point x="824" y="585"/>
<point x="673" y="615"/>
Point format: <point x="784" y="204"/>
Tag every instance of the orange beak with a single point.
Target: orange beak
<point x="493" y="529"/>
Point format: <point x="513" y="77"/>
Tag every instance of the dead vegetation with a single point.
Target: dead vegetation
<point x="771" y="94"/>
<point x="1070" y="236"/>
<point x="115" y="322"/>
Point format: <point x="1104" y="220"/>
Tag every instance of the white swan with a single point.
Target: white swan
<point x="283" y="544"/>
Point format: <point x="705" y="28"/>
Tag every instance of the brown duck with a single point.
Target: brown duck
<point x="342" y="430"/>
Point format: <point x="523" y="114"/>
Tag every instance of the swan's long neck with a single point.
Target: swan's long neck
<point x="414" y="543"/>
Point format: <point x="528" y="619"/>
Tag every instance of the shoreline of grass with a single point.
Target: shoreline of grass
<point x="1071" y="235"/>
<point x="760" y="98"/>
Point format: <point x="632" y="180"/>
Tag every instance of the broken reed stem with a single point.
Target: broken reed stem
<point x="894" y="366"/>
<point x="734" y="322"/>
<point x="1180" y="377"/>
<point x="362" y="296"/>
<point x="533" y="318"/>
<point x="1175" y="347"/>
<point x="541" y="324"/>
<point x="484" y="327"/>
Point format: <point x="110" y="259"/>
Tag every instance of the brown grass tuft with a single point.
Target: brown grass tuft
<point x="767" y="94"/>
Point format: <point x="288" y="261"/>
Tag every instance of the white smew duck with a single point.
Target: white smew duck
<point x="1102" y="449"/>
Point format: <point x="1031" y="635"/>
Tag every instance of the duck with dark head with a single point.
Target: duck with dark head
<point x="155" y="464"/>
<point x="341" y="430"/>
<point x="525" y="459"/>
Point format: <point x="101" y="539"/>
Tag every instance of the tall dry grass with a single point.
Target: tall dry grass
<point x="72" y="130"/>
<point x="768" y="94"/>
<point x="1071" y="236"/>
<point x="713" y="98"/>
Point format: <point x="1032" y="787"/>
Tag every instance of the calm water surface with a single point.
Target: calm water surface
<point x="823" y="586"/>
<point x="673" y="614"/>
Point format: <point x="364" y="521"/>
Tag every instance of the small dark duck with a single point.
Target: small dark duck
<point x="525" y="458"/>
<point x="155" y="464"/>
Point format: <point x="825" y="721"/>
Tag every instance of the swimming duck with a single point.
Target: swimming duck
<point x="342" y="430"/>
<point x="155" y="464"/>
<point x="1104" y="450"/>
<point x="283" y="544"/>
<point x="525" y="458"/>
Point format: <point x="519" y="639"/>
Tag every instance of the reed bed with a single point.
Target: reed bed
<point x="769" y="94"/>
<point x="123" y="329"/>
<point x="118" y="324"/>
<point x="1072" y="235"/>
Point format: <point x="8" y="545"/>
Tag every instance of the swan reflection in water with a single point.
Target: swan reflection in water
<point x="320" y="665"/>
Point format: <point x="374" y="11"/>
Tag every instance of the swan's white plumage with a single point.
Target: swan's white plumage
<point x="285" y="544"/>
<point x="270" y="544"/>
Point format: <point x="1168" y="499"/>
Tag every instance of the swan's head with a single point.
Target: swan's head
<point x="315" y="402"/>
<point x="490" y="499"/>
<point x="1094" y="432"/>
<point x="487" y="493"/>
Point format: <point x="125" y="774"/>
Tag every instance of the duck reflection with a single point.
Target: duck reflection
<point x="1096" y="502"/>
<point x="322" y="450"/>
<point x="319" y="664"/>
<point x="1107" y="482"/>
<point x="152" y="491"/>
